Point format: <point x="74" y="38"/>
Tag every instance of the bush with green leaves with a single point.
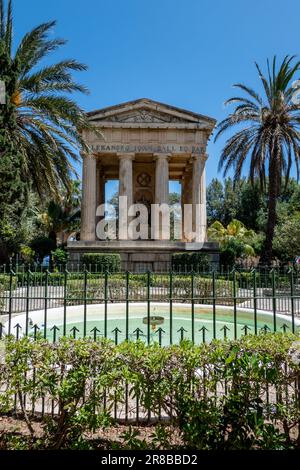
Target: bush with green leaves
<point x="6" y="282"/>
<point x="77" y="375"/>
<point x="59" y="257"/>
<point x="203" y="288"/>
<point x="287" y="238"/>
<point x="224" y="395"/>
<point x="194" y="261"/>
<point x="101" y="262"/>
<point x="241" y="394"/>
<point x="27" y="254"/>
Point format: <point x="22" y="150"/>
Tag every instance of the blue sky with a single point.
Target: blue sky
<point x="187" y="53"/>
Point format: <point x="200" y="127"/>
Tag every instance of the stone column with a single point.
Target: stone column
<point x="88" y="205"/>
<point x="125" y="176"/>
<point x="161" y="178"/>
<point x="186" y="198"/>
<point x="125" y="189"/>
<point x="100" y="188"/>
<point x="199" y="195"/>
<point x="203" y="197"/>
<point x="161" y="189"/>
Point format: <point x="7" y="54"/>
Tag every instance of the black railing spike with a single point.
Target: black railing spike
<point x="181" y="331"/>
<point x="225" y="329"/>
<point x="160" y="332"/>
<point x="246" y="328"/>
<point x="203" y="329"/>
<point x="54" y="329"/>
<point x="138" y="332"/>
<point x="35" y="329"/>
<point x="116" y="331"/>
<point x="284" y="327"/>
<point x="95" y="330"/>
<point x="74" y="330"/>
<point x="265" y="329"/>
<point x="18" y="329"/>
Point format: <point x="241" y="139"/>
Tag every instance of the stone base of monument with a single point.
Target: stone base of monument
<point x="140" y="256"/>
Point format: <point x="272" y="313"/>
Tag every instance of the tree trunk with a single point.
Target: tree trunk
<point x="52" y="235"/>
<point x="273" y="192"/>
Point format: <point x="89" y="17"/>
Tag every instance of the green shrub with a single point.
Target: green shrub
<point x="60" y="257"/>
<point x="159" y="284"/>
<point x="193" y="261"/>
<point x="226" y="395"/>
<point x="95" y="262"/>
<point x="5" y="280"/>
<point x="76" y="374"/>
<point x="229" y="253"/>
<point x="27" y="253"/>
<point x="220" y="393"/>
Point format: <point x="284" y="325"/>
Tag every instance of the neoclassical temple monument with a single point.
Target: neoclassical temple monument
<point x="144" y="144"/>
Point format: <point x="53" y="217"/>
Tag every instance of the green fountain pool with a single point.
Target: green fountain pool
<point x="185" y="322"/>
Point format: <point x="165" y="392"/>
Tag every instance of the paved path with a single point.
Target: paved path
<point x="55" y="298"/>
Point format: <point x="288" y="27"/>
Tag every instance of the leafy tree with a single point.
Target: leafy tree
<point x="287" y="238"/>
<point x="235" y="230"/>
<point x="215" y="201"/>
<point x="174" y="199"/>
<point x="63" y="217"/>
<point x="268" y="132"/>
<point x="250" y="204"/>
<point x="13" y="190"/>
<point x="231" y="200"/>
<point x="59" y="257"/>
<point x="239" y="200"/>
<point x="235" y="240"/>
<point x="175" y="214"/>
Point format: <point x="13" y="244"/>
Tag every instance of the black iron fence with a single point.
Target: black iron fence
<point x="144" y="267"/>
<point x="153" y="307"/>
<point x="163" y="307"/>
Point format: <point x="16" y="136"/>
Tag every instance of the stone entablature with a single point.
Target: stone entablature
<point x="147" y="148"/>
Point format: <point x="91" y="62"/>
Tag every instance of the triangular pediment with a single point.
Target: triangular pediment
<point x="148" y="111"/>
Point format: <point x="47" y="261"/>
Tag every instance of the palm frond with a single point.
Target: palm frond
<point x="48" y="123"/>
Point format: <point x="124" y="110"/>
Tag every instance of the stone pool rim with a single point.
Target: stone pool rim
<point x="21" y="317"/>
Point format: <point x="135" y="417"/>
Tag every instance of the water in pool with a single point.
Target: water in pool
<point x="204" y="324"/>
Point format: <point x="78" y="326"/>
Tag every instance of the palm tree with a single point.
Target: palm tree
<point x="235" y="231"/>
<point x="63" y="217"/>
<point x="42" y="121"/>
<point x="268" y="133"/>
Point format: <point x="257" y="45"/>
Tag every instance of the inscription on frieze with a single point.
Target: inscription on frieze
<point x="147" y="148"/>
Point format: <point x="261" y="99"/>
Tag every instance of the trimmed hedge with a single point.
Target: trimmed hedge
<point x="110" y="262"/>
<point x="5" y="282"/>
<point x="159" y="284"/>
<point x="193" y="261"/>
